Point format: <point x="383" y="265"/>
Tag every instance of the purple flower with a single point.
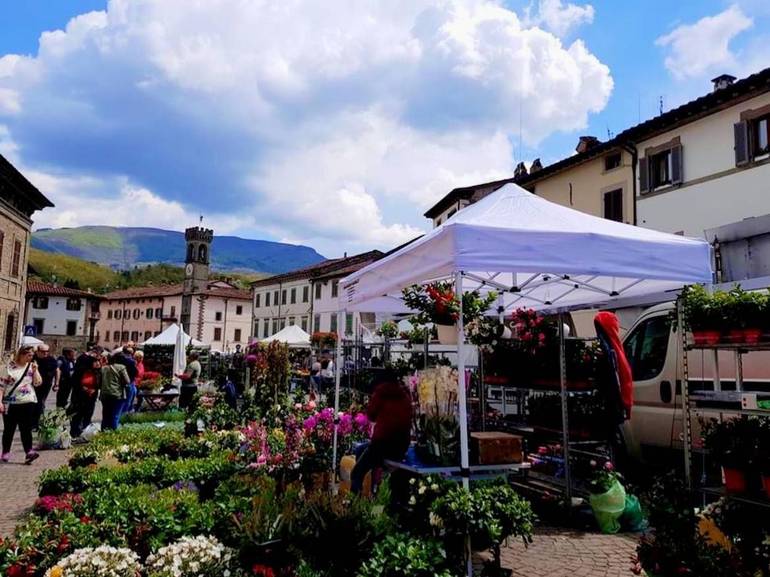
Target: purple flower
<point x="346" y="424"/>
<point x="310" y="423"/>
<point x="361" y="422"/>
<point x="251" y="359"/>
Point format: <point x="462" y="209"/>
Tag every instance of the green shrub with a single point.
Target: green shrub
<point x="170" y="416"/>
<point x="404" y="556"/>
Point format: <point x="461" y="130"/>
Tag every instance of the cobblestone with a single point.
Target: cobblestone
<point x="566" y="553"/>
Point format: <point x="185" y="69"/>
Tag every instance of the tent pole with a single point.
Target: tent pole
<point x="564" y="408"/>
<point x="337" y="375"/>
<point x="465" y="471"/>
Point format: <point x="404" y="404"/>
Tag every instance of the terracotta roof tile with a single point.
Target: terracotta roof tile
<point x="40" y="288"/>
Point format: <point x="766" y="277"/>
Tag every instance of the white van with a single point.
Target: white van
<point x="654" y="352"/>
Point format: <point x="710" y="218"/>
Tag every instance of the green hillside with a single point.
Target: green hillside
<point x="78" y="273"/>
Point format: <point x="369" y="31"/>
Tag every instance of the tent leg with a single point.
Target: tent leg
<point x="564" y="409"/>
<point x="337" y="375"/>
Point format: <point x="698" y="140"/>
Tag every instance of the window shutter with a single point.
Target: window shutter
<point x="677" y="171"/>
<point x="644" y="175"/>
<point x="741" y="131"/>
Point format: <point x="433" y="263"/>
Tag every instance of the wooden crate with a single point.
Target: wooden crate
<point x="494" y="448"/>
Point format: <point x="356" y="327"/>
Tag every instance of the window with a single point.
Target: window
<point x="257" y="298"/>
<point x="266" y="329"/>
<point x="661" y="167"/>
<point x="438" y="222"/>
<point x="760" y="136"/>
<point x="173" y="311"/>
<point x="16" y="262"/>
<point x="39" y="325"/>
<point x="752" y="136"/>
<point x="316" y="323"/>
<point x="116" y="336"/>
<point x="40" y="303"/>
<point x="335" y="288"/>
<point x="612" y="161"/>
<point x="2" y="242"/>
<point x="106" y="337"/>
<point x="318" y="291"/>
<point x="72" y="328"/>
<point x="118" y="314"/>
<point x="217" y="334"/>
<point x="275" y="298"/>
<point x="283" y="297"/>
<point x="137" y="313"/>
<point x="647" y="346"/>
<point x="73" y="304"/>
<point x="333" y="323"/>
<point x="218" y="316"/>
<point x="237" y="335"/>
<point x="10" y="325"/>
<point x="109" y="315"/>
<point x="349" y="323"/>
<point x="158" y="313"/>
<point x="305" y="294"/>
<point x="275" y="326"/>
<point x="124" y="336"/>
<point x="156" y="333"/>
<point x="134" y="336"/>
<point x="239" y="310"/>
<point x="267" y="299"/>
<point x="304" y="323"/>
<point x="451" y="213"/>
<point x="294" y="296"/>
<point x="613" y="205"/>
<point x="149" y="313"/>
<point x="281" y="324"/>
<point x="147" y="335"/>
<point x="291" y="320"/>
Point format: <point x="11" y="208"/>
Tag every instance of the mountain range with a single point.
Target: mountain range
<point x="123" y="248"/>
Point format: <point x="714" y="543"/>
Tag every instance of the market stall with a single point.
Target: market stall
<point x="292" y="335"/>
<point x="533" y="254"/>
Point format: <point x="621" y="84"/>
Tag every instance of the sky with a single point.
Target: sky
<point x="333" y="124"/>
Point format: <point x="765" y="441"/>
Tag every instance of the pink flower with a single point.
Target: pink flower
<point x="298" y="406"/>
<point x="361" y="422"/>
<point x="311" y="405"/>
<point x="609" y="466"/>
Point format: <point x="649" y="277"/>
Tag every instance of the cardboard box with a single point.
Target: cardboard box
<point x="494" y="448"/>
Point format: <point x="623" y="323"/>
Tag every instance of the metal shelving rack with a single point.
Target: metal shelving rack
<point x="737" y="402"/>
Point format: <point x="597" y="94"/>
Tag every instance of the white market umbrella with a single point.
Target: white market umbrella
<point x="27" y="340"/>
<point x="292" y="335"/>
<point x="170" y="336"/>
<point x="180" y="356"/>
<point x="534" y="254"/>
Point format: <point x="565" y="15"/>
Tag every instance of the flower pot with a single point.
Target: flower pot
<point x="447" y="334"/>
<point x="752" y="336"/>
<point x="704" y="337"/>
<point x="734" y="480"/>
<point x="736" y="336"/>
<point x="766" y="483"/>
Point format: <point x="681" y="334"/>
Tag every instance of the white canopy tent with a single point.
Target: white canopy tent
<point x="169" y="337"/>
<point x="535" y="254"/>
<point x="30" y="341"/>
<point x="291" y="335"/>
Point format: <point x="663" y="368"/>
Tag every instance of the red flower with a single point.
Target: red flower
<point x="262" y="570"/>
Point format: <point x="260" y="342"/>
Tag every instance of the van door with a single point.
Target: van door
<point x="650" y="347"/>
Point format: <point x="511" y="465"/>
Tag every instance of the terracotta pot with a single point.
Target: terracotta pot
<point x="766" y="483"/>
<point x="447" y="334"/>
<point x="752" y="336"/>
<point x="706" y="337"/>
<point x="734" y="479"/>
<point x="736" y="336"/>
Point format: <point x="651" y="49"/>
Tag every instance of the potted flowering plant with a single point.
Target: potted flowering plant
<point x="744" y="310"/>
<point x="200" y="556"/>
<point x="735" y="446"/>
<point x="323" y="339"/>
<point x="388" y="330"/>
<point x="437" y="303"/>
<point x="703" y="314"/>
<point x="608" y="496"/>
<point x="111" y="561"/>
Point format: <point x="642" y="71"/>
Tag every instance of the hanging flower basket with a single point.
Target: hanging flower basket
<point x="447" y="334"/>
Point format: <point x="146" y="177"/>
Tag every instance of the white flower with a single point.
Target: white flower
<point x="421" y="490"/>
<point x="435" y="520"/>
<point x="412" y="500"/>
<point x="434" y="487"/>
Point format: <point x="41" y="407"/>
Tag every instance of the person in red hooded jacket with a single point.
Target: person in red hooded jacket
<point x="390" y="408"/>
<point x="615" y="380"/>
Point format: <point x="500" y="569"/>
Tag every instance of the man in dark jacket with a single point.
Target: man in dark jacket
<point x="390" y="408"/>
<point x="49" y="371"/>
<point x="67" y="369"/>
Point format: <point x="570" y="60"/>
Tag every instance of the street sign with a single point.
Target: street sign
<point x="30" y="331"/>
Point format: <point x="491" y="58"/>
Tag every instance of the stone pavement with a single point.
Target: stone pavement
<point x="567" y="553"/>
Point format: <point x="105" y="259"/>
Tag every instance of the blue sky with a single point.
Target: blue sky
<point x="333" y="125"/>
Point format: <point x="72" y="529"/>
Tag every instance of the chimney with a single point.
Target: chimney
<point x="722" y="81"/>
<point x="536" y="165"/>
<point x="585" y="143"/>
<point x="520" y="170"/>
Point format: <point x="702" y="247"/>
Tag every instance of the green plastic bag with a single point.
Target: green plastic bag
<point x="608" y="508"/>
<point x="633" y="519"/>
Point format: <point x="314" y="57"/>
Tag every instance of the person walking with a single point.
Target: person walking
<point x="139" y="360"/>
<point x="189" y="378"/>
<point x="85" y="390"/>
<point x="67" y="371"/>
<point x="50" y="374"/>
<point x="125" y="357"/>
<point x="390" y="408"/>
<point x="18" y="402"/>
<point x="113" y="391"/>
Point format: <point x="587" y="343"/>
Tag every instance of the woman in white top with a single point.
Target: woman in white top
<point x="18" y="401"/>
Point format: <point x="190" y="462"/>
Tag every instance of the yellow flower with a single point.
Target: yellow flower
<point x="56" y="571"/>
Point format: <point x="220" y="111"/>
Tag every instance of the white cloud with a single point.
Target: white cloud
<point x="559" y="18"/>
<point x="336" y="123"/>
<point x="704" y="47"/>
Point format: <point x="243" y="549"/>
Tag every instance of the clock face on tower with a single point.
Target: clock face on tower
<point x="188" y="270"/>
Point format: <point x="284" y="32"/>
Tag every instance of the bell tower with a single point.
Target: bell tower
<point x="196" y="268"/>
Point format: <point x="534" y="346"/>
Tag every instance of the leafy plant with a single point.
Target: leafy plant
<point x="405" y="556"/>
<point x="437" y="303"/>
<point x="388" y="330"/>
